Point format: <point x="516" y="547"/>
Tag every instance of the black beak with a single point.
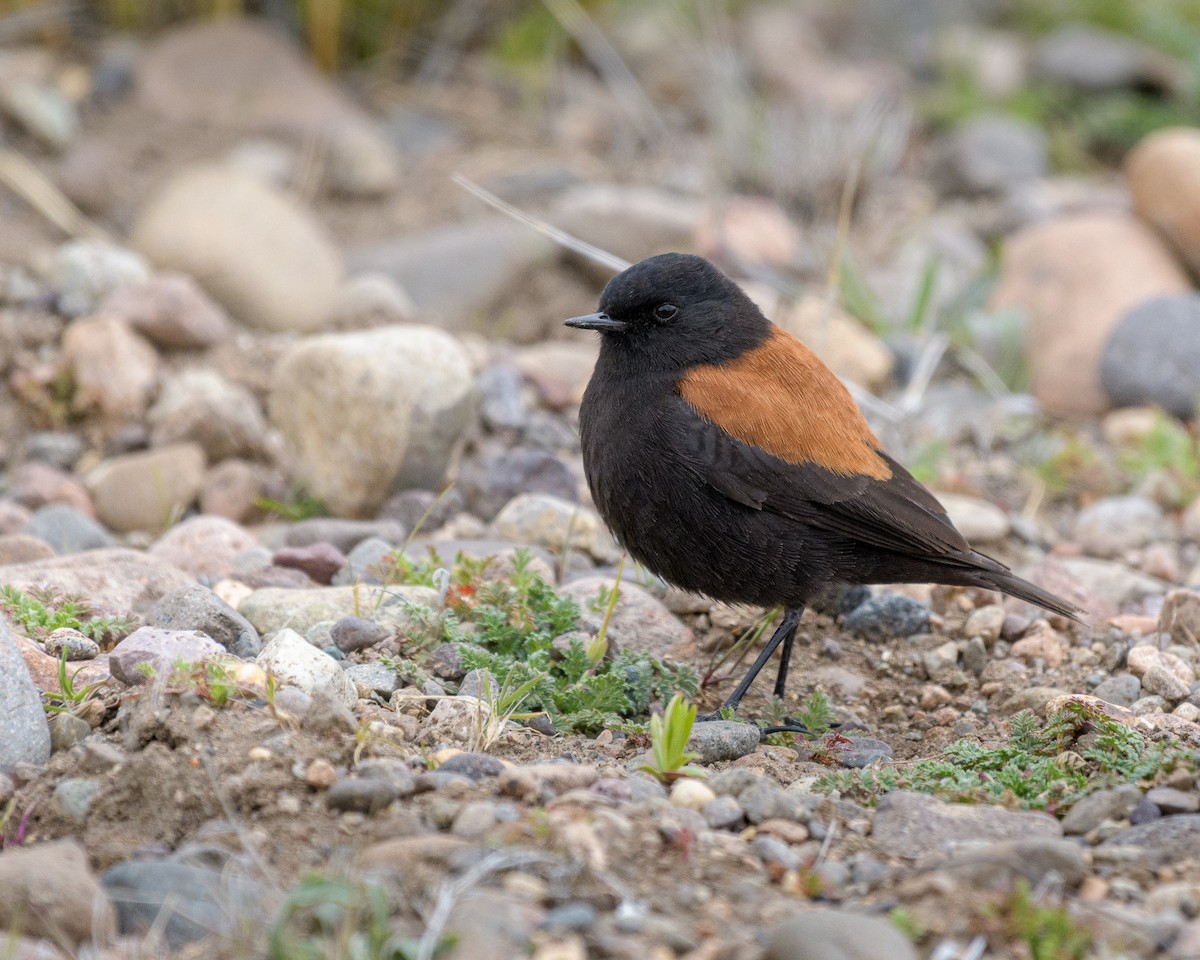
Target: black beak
<point x="598" y="321"/>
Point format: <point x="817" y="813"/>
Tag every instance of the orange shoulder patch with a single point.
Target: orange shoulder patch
<point x="781" y="398"/>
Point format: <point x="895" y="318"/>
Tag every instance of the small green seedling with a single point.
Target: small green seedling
<point x="69" y="698"/>
<point x="668" y="742"/>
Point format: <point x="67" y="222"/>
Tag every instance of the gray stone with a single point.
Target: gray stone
<point x="409" y="388"/>
<point x="474" y="766"/>
<point x="574" y="916"/>
<point x="55" y="447"/>
<point x="73" y="643"/>
<point x="460" y="270"/>
<point x="992" y="153"/>
<point x="723" y="813"/>
<point x="86" y="271"/>
<point x="74" y="796"/>
<point x="641" y="620"/>
<point x="998" y="866"/>
<point x="488" y="483"/>
<point x="766" y="800"/>
<point x="1113" y="525"/>
<point x="365" y="563"/>
<point x="1122" y="690"/>
<point x="1169" y="839"/>
<point x="24" y="732"/>
<point x="354" y="633"/>
<point x="775" y="853"/>
<point x="194" y="607"/>
<point x="886" y="616"/>
<point x="1114" y="804"/>
<point x="1160" y="681"/>
<point x="1091" y="58"/>
<point x="185" y="902"/>
<point x="915" y="825"/>
<point x="159" y="649"/>
<point x="362" y="794"/>
<point x="66" y="529"/>
<point x="66" y="730"/>
<point x="863" y="751"/>
<point x="379" y="678"/>
<point x="502" y="401"/>
<point x="717" y="740"/>
<point x="1172" y="801"/>
<point x="253" y="247"/>
<point x="474" y="819"/>
<point x="1153" y="355"/>
<point x="837" y="935"/>
<point x="201" y="406"/>
<point x="1113" y="581"/>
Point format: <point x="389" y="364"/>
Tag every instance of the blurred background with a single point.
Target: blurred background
<point x="983" y="215"/>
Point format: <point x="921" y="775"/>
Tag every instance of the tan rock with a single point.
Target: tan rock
<point x="49" y="890"/>
<point x="1075" y="277"/>
<point x="147" y="490"/>
<point x="1164" y="178"/>
<point x="114" y="369"/>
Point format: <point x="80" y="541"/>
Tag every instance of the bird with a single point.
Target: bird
<point x="729" y="460"/>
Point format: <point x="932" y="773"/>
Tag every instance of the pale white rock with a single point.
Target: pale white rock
<point x="294" y="660"/>
<point x="976" y="519"/>
<point x="691" y="794"/>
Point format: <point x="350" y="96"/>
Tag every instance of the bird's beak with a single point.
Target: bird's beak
<point x="598" y="321"/>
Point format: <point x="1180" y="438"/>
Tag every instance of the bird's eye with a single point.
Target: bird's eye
<point x="665" y="311"/>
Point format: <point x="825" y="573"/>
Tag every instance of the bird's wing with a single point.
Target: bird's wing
<point x="777" y="431"/>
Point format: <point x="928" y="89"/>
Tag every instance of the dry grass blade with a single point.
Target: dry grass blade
<point x="32" y="186"/>
<point x="584" y="249"/>
<point x="617" y="75"/>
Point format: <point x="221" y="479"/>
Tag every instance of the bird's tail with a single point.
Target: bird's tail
<point x="996" y="576"/>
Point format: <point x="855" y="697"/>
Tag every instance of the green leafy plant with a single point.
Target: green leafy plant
<point x="816" y="713"/>
<point x="69" y="698"/>
<point x="41" y="614"/>
<point x="509" y="627"/>
<point x="1049" y="766"/>
<point x="668" y="742"/>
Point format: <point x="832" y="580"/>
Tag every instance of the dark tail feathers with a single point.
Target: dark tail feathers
<point x="996" y="576"/>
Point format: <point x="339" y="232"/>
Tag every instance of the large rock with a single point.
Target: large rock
<point x="456" y="271"/>
<point x="838" y="935"/>
<point x="149" y="489"/>
<point x="114" y="369"/>
<point x="1092" y="59"/>
<point x="1111" y="526"/>
<point x="643" y="622"/>
<point x="1164" y="178"/>
<point x="1153" y="356"/>
<point x="116" y="580"/>
<point x="915" y="825"/>
<point x="159" y="649"/>
<point x="202" y="406"/>
<point x="296" y="661"/>
<point x="204" y="546"/>
<point x="24" y="733"/>
<point x="171" y="310"/>
<point x="49" y="890"/>
<point x="1075" y="278"/>
<point x="366" y="413"/>
<point x="241" y="73"/>
<point x="396" y="608"/>
<point x="253" y="247"/>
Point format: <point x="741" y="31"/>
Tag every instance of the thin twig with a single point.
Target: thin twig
<point x="36" y="189"/>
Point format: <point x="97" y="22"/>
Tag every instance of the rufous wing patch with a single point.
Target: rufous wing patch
<point x="782" y="399"/>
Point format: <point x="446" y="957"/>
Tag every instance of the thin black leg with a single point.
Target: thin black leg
<point x="784" y="634"/>
<point x="785" y="660"/>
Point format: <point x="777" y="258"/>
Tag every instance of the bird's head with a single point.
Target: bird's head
<point x="673" y="311"/>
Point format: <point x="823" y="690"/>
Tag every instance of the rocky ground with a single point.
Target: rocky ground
<point x="307" y="646"/>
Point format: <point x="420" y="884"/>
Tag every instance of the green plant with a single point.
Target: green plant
<point x="816" y="713"/>
<point x="1048" y="930"/>
<point x="1049" y="766"/>
<point x="1167" y="448"/>
<point x="668" y="742"/>
<point x="509" y="628"/>
<point x="40" y="614"/>
<point x="69" y="698"/>
<point x="300" y="506"/>
<point x="336" y="917"/>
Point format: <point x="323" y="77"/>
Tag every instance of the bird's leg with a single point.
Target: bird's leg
<point x="785" y="659"/>
<point x="784" y="634"/>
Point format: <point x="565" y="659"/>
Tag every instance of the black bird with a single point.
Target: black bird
<point x="729" y="460"/>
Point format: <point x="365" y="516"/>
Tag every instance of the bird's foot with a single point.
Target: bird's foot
<point x="789" y="725"/>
